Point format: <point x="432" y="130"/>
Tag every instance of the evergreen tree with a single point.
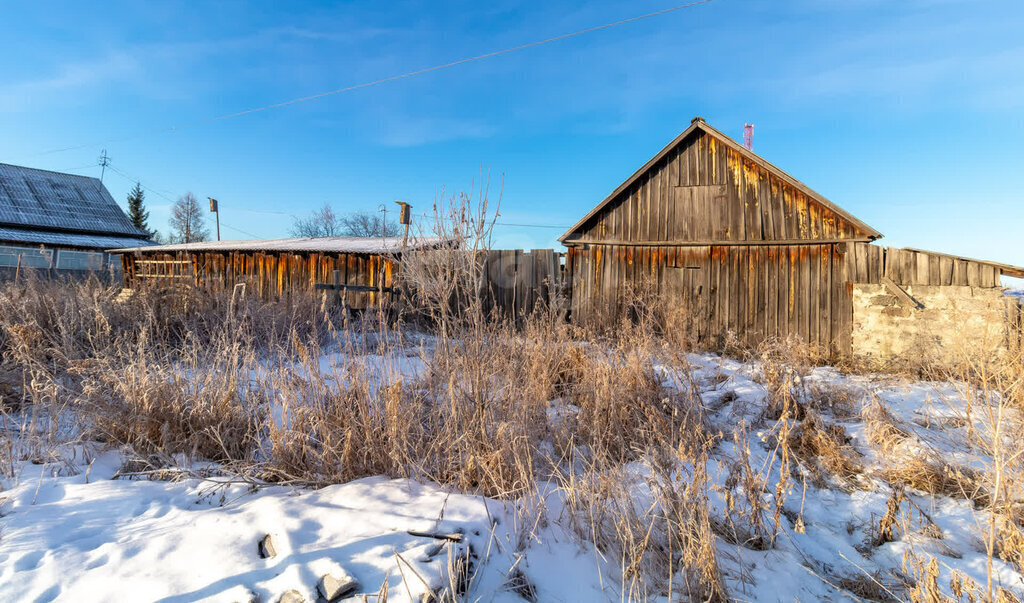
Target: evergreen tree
<point x="137" y="210"/>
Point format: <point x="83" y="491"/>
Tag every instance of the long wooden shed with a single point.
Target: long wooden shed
<point x="275" y="267"/>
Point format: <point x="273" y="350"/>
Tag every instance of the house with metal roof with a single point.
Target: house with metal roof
<point x="60" y="222"/>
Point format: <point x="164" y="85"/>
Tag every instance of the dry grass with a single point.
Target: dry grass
<point x="497" y="409"/>
<point x="825" y="449"/>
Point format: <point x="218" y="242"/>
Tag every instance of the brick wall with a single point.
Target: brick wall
<point x="954" y="320"/>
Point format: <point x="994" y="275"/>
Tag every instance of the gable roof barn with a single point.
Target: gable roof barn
<point x="62" y="210"/>
<point x="699" y="174"/>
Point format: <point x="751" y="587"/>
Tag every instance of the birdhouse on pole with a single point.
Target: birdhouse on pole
<point x="404" y="216"/>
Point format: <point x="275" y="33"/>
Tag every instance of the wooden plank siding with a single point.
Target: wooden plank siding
<point x="706" y="192"/>
<point x="867" y="263"/>
<point x="269" y="275"/>
<point x="753" y="292"/>
<point x="516" y="282"/>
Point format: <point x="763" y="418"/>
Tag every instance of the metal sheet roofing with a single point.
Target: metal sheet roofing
<point x="67" y="239"/>
<point x="372" y="245"/>
<point x="31" y="198"/>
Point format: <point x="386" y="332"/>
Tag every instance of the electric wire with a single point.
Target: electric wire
<point x="164" y="196"/>
<point x="384" y="80"/>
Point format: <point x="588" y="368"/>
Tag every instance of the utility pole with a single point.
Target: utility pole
<point x="216" y="212"/>
<point x="104" y="161"/>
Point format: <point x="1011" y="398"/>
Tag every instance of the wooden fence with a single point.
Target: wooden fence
<point x="518" y="281"/>
<point x="752" y="291"/>
<point x="867" y="263"/>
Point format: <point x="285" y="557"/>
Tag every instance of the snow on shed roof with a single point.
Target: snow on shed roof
<point x="372" y="245"/>
<point x="54" y="201"/>
<point x="68" y="239"/>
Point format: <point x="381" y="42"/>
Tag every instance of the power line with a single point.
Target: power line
<point x="428" y="217"/>
<point x="532" y="225"/>
<point x="385" y="80"/>
<point x="160" y="194"/>
<point x="81" y="167"/>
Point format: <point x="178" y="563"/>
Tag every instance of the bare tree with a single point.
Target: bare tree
<point x="186" y="223"/>
<point x="321" y="223"/>
<point x="368" y="224"/>
<point x="325" y="223"/>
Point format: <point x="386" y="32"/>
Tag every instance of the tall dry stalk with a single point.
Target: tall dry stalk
<point x="992" y="389"/>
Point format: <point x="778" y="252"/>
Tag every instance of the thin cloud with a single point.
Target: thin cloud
<point x="411" y="132"/>
<point x="70" y="77"/>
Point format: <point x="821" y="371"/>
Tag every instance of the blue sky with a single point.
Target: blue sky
<point x="909" y="114"/>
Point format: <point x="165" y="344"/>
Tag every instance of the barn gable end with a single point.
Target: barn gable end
<point x="704" y="188"/>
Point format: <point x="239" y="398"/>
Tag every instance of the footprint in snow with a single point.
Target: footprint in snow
<point x="52" y="494"/>
<point x="99" y="561"/>
<point x="49" y="594"/>
<point x="28" y="561"/>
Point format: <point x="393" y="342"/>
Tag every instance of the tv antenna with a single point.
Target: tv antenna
<point x="104" y="161"/>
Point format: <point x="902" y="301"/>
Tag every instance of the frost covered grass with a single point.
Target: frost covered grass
<point x="602" y="467"/>
<point x="149" y="441"/>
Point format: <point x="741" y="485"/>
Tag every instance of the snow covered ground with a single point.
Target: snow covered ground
<point x="89" y="537"/>
<point x="78" y="531"/>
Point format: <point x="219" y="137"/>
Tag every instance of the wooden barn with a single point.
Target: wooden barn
<point x="741" y="245"/>
<point x="275" y="267"/>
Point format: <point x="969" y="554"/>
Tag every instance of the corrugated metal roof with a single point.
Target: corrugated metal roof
<point x="66" y="239"/>
<point x="376" y="245"/>
<point x="55" y="201"/>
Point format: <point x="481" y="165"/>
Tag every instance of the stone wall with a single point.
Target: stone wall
<point x="950" y="322"/>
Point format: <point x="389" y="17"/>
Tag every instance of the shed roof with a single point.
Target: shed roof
<point x="371" y="245"/>
<point x="32" y="199"/>
<point x="698" y="124"/>
<point x="32" y="236"/>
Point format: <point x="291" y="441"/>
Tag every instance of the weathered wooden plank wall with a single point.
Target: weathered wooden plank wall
<point x="704" y="191"/>
<point x="867" y="263"/>
<point x="519" y="282"/>
<point x="269" y="275"/>
<point x="754" y="292"/>
<point x="516" y="281"/>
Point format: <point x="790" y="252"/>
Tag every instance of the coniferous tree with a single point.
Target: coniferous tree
<point x="137" y="209"/>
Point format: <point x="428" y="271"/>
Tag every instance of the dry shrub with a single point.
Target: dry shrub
<point x="925" y="587"/>
<point x="824" y="449"/>
<point x="871" y="587"/>
<point x="925" y="472"/>
<point x="746" y="510"/>
<point x="837" y="400"/>
<point x="665" y="545"/>
<point x="200" y="405"/>
<point x="925" y="582"/>
<point x="1010" y="539"/>
<point x="623" y="408"/>
<point x="882" y="429"/>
